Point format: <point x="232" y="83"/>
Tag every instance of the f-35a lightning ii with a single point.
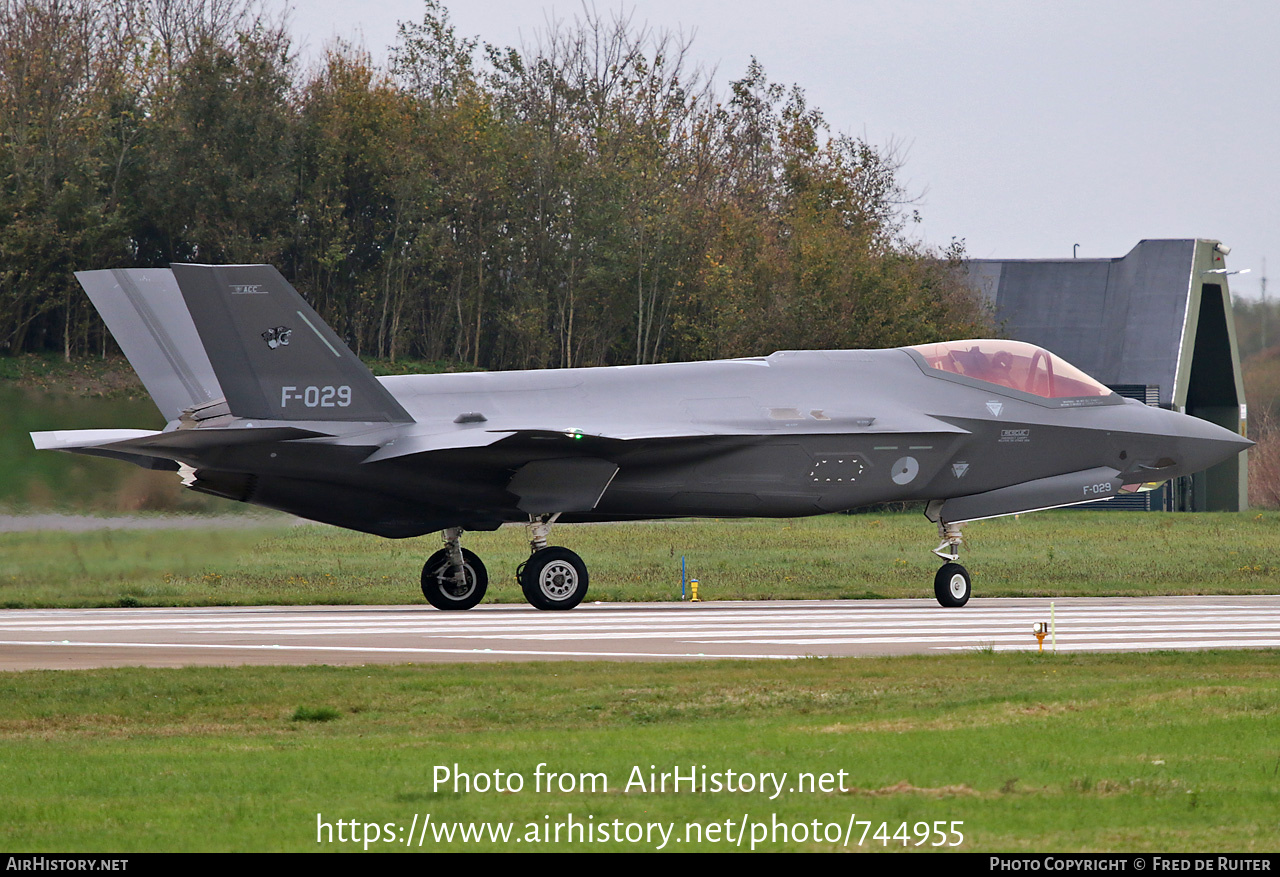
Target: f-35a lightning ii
<point x="265" y="404"/>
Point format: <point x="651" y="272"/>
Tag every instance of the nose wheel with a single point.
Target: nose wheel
<point x="951" y="585"/>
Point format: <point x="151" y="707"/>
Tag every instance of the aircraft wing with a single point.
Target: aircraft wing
<point x="427" y="439"/>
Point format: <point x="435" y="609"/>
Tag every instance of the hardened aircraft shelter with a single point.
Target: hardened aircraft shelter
<point x="1154" y="324"/>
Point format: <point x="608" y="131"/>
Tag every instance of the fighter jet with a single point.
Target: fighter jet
<point x="266" y="405"/>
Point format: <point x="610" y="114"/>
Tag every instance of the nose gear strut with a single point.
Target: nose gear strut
<point x="951" y="539"/>
<point x="951" y="584"/>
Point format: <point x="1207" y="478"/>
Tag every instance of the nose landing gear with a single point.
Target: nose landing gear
<point x="951" y="584"/>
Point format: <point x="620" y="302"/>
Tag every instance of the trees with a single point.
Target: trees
<point x="355" y="215"/>
<point x="63" y="115"/>
<point x="134" y="133"/>
<point x="604" y="113"/>
<point x="588" y="199"/>
<point x="217" y="179"/>
<point x="808" y="248"/>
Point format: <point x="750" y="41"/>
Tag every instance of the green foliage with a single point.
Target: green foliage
<point x="219" y="179"/>
<point x="586" y="200"/>
<point x="1257" y="325"/>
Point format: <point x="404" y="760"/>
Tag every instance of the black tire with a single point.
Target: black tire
<point x="951" y="585"/>
<point x="442" y="593"/>
<point x="554" y="578"/>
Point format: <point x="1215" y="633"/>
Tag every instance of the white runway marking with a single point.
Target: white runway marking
<point x="747" y="630"/>
<point x="373" y="650"/>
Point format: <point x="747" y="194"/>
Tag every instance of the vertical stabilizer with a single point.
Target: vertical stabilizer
<point x="274" y="357"/>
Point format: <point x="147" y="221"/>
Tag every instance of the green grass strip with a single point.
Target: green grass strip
<point x="1156" y="752"/>
<point x="838" y="557"/>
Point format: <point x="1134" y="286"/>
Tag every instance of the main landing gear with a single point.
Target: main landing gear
<point x="552" y="577"/>
<point x="453" y="577"/>
<point x="951" y="584"/>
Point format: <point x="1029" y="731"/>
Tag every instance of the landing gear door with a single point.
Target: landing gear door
<point x="572" y="484"/>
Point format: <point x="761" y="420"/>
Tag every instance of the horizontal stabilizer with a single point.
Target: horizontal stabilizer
<point x="141" y="446"/>
<point x="74" y="439"/>
<point x="274" y="357"/>
<point x="1088" y="485"/>
<point x="193" y="439"/>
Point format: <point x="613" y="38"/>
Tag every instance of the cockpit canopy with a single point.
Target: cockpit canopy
<point x="1013" y="364"/>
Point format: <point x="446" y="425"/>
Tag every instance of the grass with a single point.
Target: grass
<point x="835" y="557"/>
<point x="110" y="378"/>
<point x="1160" y="752"/>
<point x="46" y="480"/>
<point x="315" y="714"/>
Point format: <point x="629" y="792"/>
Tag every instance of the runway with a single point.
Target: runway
<point x="81" y="638"/>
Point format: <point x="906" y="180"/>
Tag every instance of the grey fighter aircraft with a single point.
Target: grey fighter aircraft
<point x="265" y="404"/>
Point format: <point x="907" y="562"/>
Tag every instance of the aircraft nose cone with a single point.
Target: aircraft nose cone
<point x="1201" y="444"/>
<point x="1221" y="447"/>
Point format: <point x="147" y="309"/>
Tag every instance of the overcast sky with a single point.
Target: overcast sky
<point x="1029" y="126"/>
